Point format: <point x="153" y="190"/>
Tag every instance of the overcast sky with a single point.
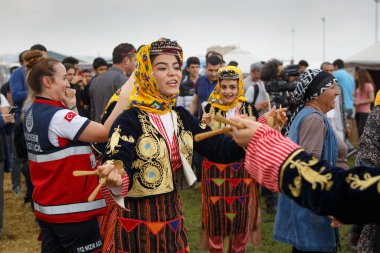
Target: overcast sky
<point x="78" y="27"/>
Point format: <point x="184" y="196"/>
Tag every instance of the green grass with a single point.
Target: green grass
<point x="191" y="203"/>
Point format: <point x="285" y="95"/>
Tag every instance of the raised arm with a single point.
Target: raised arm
<point x="219" y="149"/>
<point x="276" y="162"/>
<point x="120" y="147"/>
<point x="193" y="107"/>
<point x="96" y="132"/>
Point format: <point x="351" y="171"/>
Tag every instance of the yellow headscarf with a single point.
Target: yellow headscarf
<point x="377" y="100"/>
<point x="146" y="94"/>
<point x="227" y="73"/>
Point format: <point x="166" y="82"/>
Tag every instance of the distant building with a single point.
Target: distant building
<point x="222" y="50"/>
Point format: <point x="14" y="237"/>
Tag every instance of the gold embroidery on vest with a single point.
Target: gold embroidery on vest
<point x="245" y="109"/>
<point x="355" y="182"/>
<point x="215" y="125"/>
<point x="113" y="142"/>
<point x="250" y="112"/>
<point x="147" y="147"/>
<point x="137" y="164"/>
<point x="307" y="173"/>
<point x="185" y="141"/>
<point x="154" y="173"/>
<point x="128" y="139"/>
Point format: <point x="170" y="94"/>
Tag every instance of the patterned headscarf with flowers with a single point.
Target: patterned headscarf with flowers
<point x="146" y="94"/>
<point x="227" y="73"/>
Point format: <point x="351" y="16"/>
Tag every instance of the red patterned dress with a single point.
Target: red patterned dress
<point x="227" y="193"/>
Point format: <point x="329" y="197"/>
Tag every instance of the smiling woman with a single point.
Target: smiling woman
<point x="227" y="189"/>
<point x="314" y="97"/>
<point x="56" y="138"/>
<point x="167" y="71"/>
<point x="153" y="140"/>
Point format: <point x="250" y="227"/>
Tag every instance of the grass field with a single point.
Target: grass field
<point x="21" y="232"/>
<point x="192" y="212"/>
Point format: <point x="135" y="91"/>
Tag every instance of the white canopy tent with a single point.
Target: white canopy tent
<point x="242" y="57"/>
<point x="368" y="58"/>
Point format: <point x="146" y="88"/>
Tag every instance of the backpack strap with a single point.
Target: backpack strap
<point x="256" y="92"/>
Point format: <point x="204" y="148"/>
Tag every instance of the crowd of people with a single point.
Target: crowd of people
<point x="133" y="125"/>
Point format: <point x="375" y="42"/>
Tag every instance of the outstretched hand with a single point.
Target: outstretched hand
<point x="206" y="118"/>
<point x="243" y="136"/>
<point x="276" y="118"/>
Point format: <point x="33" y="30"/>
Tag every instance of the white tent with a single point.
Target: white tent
<point x="242" y="57"/>
<point x="368" y="58"/>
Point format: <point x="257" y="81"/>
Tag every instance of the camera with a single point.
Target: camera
<point x="285" y="84"/>
<point x="279" y="83"/>
<point x="281" y="88"/>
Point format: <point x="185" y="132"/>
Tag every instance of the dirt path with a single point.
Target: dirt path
<point x="20" y="230"/>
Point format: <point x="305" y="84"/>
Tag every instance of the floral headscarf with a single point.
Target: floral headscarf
<point x="146" y="94"/>
<point x="227" y="73"/>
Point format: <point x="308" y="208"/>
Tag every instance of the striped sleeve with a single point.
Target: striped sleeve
<point x="266" y="151"/>
<point x="122" y="190"/>
<point x="262" y="120"/>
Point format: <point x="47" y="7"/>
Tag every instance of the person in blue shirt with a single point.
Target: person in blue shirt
<point x="347" y="84"/>
<point x="205" y="84"/>
<point x="203" y="88"/>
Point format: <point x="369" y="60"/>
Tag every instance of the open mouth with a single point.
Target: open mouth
<point x="228" y="97"/>
<point x="172" y="83"/>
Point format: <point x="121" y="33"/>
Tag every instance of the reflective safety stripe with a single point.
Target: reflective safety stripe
<point x="71" y="208"/>
<point x="81" y="150"/>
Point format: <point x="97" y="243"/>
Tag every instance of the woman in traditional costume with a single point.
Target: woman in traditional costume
<point x="314" y="96"/>
<point x="227" y="189"/>
<point x="152" y="141"/>
<point x="274" y="161"/>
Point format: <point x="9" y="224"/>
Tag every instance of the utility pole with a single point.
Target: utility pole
<point x="324" y="39"/>
<point x="376" y="19"/>
<point x="293" y="42"/>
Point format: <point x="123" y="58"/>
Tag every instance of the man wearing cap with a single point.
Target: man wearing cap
<point x="104" y="86"/>
<point x="254" y="88"/>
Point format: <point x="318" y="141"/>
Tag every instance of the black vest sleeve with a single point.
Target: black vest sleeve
<point x="351" y="196"/>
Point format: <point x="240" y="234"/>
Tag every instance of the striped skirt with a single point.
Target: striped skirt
<point x="153" y="224"/>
